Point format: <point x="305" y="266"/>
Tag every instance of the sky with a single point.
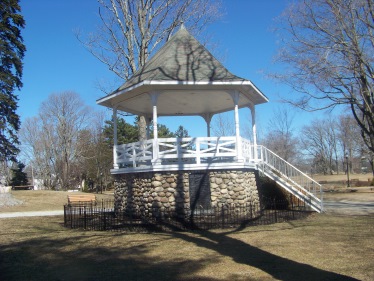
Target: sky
<point x="55" y="61"/>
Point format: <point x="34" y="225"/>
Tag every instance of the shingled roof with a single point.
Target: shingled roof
<point x="187" y="79"/>
<point x="182" y="58"/>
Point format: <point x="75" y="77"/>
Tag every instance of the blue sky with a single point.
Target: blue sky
<point x="56" y="62"/>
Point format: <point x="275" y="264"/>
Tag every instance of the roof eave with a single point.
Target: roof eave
<point x="105" y="100"/>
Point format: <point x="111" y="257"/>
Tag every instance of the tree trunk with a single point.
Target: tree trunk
<point x="142" y="128"/>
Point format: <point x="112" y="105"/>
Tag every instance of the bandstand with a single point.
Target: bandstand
<point x="184" y="79"/>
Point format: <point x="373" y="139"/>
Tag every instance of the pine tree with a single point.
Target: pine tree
<point x="181" y="132"/>
<point x="19" y="176"/>
<point x="12" y="51"/>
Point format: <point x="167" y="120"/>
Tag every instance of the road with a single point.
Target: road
<point x="346" y="207"/>
<point x="360" y="202"/>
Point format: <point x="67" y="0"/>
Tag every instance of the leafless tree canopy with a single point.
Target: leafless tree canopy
<point x="131" y="30"/>
<point x="223" y="125"/>
<point x="320" y="140"/>
<point x="280" y="137"/>
<point x="329" y="48"/>
<point x="53" y="139"/>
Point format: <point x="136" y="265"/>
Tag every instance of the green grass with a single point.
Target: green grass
<point x="321" y="247"/>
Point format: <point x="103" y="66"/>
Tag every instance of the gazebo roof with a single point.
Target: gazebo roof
<point x="189" y="79"/>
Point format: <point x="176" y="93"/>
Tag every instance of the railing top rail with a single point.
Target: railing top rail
<point x="195" y="138"/>
<point x="135" y="143"/>
<point x="292" y="166"/>
<point x="183" y="139"/>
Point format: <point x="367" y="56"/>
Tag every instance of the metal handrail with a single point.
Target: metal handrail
<point x="278" y="167"/>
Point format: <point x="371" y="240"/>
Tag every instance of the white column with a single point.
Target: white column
<point x="235" y="96"/>
<point x="115" y="138"/>
<point x="254" y="132"/>
<point x="154" y="97"/>
<point x="208" y="118"/>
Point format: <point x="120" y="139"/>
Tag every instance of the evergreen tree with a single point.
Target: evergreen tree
<point x="19" y="176"/>
<point x="181" y="132"/>
<point x="126" y="133"/>
<point x="12" y="51"/>
<point x="164" y="132"/>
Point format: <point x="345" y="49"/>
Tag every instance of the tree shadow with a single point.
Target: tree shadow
<point x="278" y="267"/>
<point x="75" y="259"/>
<point x="60" y="254"/>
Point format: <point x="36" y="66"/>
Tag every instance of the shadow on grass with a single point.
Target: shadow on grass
<point x="89" y="256"/>
<point x="77" y="259"/>
<point x="278" y="267"/>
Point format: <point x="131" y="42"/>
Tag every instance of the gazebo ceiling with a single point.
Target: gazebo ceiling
<point x="188" y="81"/>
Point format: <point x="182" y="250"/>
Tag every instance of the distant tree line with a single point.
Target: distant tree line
<point x="325" y="146"/>
<point x="69" y="145"/>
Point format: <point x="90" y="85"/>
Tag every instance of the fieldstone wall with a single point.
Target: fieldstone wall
<point x="233" y="187"/>
<point x="169" y="191"/>
<point x="147" y="191"/>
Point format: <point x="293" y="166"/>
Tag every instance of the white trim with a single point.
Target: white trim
<point x="154" y="98"/>
<point x="115" y="138"/>
<point x="208" y="118"/>
<point x="199" y="83"/>
<point x="188" y="167"/>
<point x="254" y="129"/>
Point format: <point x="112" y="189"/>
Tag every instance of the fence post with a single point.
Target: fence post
<point x="65" y="215"/>
<point x="85" y="217"/>
<point x="71" y="217"/>
<point x="104" y="218"/>
<point x="292" y="208"/>
<point x="275" y="211"/>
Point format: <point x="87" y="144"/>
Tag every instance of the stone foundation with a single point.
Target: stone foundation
<point x="171" y="191"/>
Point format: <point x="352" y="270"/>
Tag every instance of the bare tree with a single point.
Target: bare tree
<point x="319" y="139"/>
<point x="329" y="48"/>
<point x="54" y="137"/>
<point x="351" y="145"/>
<point x="223" y="125"/>
<point x="348" y="136"/>
<point x="36" y="148"/>
<point x="132" y="30"/>
<point x="97" y="152"/>
<point x="280" y="136"/>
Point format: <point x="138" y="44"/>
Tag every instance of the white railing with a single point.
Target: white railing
<point x="165" y="151"/>
<point x="297" y="182"/>
<point x="133" y="154"/>
<point x="250" y="151"/>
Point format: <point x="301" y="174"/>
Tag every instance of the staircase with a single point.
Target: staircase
<point x="290" y="178"/>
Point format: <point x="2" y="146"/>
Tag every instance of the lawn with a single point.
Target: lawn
<point x="321" y="247"/>
<point x="43" y="200"/>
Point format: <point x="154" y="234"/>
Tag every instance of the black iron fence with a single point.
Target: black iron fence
<point x="103" y="216"/>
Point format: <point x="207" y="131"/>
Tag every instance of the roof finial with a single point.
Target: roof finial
<point x="182" y="25"/>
